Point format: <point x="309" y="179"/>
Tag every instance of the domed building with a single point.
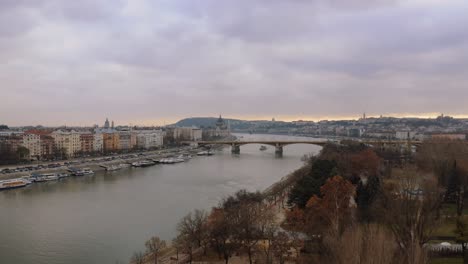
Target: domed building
<point x="220" y="124"/>
<point x="220" y="130"/>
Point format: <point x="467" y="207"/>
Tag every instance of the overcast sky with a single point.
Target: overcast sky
<point x="155" y="61"/>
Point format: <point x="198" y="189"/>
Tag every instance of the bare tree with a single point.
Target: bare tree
<point x="281" y="245"/>
<point x="268" y="227"/>
<point x="185" y="243"/>
<point x="441" y="157"/>
<point x="361" y="244"/>
<point x="177" y="245"/>
<point x="194" y="228"/>
<point x="409" y="208"/>
<point x="244" y="211"/>
<point x="154" y="245"/>
<point x="138" y="258"/>
<point x="222" y="233"/>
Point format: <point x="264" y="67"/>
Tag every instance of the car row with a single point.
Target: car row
<point x="113" y="157"/>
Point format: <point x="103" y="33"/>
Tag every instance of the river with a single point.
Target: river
<point x="106" y="217"/>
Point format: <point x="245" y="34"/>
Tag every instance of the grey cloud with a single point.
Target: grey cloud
<point x="157" y="60"/>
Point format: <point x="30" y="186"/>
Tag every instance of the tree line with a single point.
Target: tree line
<point x="351" y="203"/>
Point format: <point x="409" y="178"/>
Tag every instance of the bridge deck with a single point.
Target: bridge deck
<point x="288" y="142"/>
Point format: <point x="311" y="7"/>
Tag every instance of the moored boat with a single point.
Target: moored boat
<point x="172" y="160"/>
<point x="81" y="172"/>
<point x="113" y="168"/>
<point x="63" y="175"/>
<point x="13" y="183"/>
<point x="44" y="177"/>
<point x="205" y="153"/>
<point x="262" y="148"/>
<point x="143" y="163"/>
<point x="87" y="171"/>
<point x="116" y="167"/>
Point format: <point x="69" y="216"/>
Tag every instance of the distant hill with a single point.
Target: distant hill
<point x="203" y="122"/>
<point x="261" y="126"/>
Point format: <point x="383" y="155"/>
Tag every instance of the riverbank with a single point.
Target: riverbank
<point x="91" y="216"/>
<point x="275" y="196"/>
<point x="98" y="163"/>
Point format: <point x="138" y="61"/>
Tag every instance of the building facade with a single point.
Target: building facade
<point x="32" y="142"/>
<point x="47" y="146"/>
<point x="46" y="142"/>
<point x="405" y="135"/>
<point x="98" y="143"/>
<point x="149" y="139"/>
<point x="127" y="140"/>
<point x="187" y="134"/>
<point x="87" y="142"/>
<point x="111" y="142"/>
<point x="67" y="143"/>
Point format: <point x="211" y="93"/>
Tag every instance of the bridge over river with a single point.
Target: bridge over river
<point x="279" y="144"/>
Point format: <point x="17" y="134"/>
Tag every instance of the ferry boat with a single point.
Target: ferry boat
<point x="44" y="177"/>
<point x="82" y="172"/>
<point x="63" y="175"/>
<point x="143" y="163"/>
<point x="13" y="183"/>
<point x="263" y="148"/>
<point x="205" y="153"/>
<point x="116" y="167"/>
<point x="184" y="157"/>
<point x="87" y="171"/>
<point x="172" y="160"/>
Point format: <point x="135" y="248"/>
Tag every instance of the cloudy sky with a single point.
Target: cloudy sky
<point x="155" y="61"/>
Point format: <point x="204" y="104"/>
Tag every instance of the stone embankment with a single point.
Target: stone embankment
<point x="96" y="163"/>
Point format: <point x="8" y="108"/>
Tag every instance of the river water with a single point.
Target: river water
<point x="106" y="217"/>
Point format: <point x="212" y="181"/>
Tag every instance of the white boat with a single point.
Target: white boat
<point x="143" y="163"/>
<point x="13" y="183"/>
<point x="171" y="160"/>
<point x="185" y="157"/>
<point x="116" y="167"/>
<point x="175" y="160"/>
<point x="63" y="175"/>
<point x="205" y="153"/>
<point x="88" y="171"/>
<point x="44" y="177"/>
<point x="166" y="161"/>
<point x="113" y="168"/>
<point x="83" y="172"/>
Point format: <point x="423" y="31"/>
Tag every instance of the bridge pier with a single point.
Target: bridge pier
<point x="235" y="149"/>
<point x="279" y="150"/>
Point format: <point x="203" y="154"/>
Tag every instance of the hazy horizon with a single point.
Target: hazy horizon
<point x="290" y="119"/>
<point x="145" y="62"/>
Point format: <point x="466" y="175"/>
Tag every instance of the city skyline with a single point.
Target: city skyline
<point x="155" y="62"/>
<point x="279" y="118"/>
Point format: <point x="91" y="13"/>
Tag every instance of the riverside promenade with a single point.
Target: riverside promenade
<point x="96" y="163"/>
